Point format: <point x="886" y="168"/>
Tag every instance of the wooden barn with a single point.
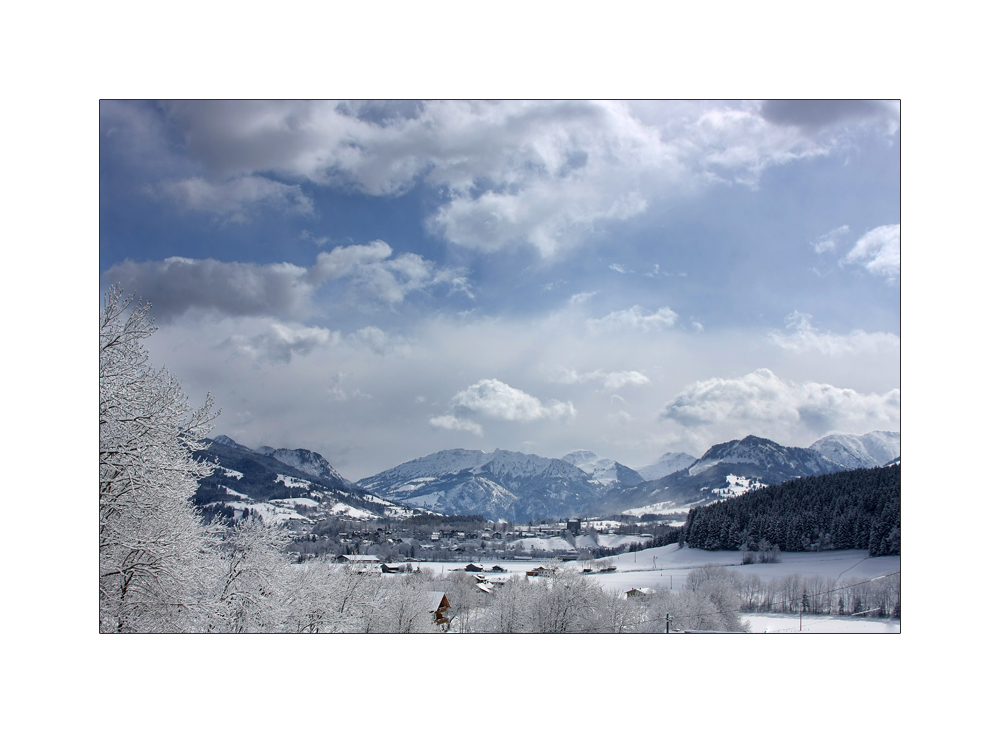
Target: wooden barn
<point x="440" y="608"/>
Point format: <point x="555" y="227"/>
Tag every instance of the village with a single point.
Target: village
<point x="472" y="539"/>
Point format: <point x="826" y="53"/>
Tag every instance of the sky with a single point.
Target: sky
<point x="377" y="281"/>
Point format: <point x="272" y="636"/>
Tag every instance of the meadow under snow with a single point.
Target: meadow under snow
<point x="665" y="567"/>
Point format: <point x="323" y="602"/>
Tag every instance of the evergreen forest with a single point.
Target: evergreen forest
<point x="857" y="509"/>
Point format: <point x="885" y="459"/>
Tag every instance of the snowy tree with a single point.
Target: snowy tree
<point x="155" y="553"/>
<point x="251" y="587"/>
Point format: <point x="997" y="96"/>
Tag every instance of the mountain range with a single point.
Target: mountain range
<point x="520" y="487"/>
<point x="282" y="484"/>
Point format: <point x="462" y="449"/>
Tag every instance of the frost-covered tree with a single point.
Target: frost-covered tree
<point x="156" y="555"/>
<point x="251" y="588"/>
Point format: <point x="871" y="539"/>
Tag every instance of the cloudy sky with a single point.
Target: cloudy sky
<point x="378" y="281"/>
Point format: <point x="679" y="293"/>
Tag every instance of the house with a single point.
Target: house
<point x="484" y="587"/>
<point x="573" y="526"/>
<point x="392" y="567"/>
<point x="473" y="568"/>
<point x="640" y="592"/>
<point x="498" y="569"/>
<point x="438" y="605"/>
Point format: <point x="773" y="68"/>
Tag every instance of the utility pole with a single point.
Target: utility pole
<point x="668" y="623"/>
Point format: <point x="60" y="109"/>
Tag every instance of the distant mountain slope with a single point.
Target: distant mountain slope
<point x="859" y="451"/>
<point x="668" y="464"/>
<point x="749" y="458"/>
<point x="499" y="485"/>
<point x="246" y="479"/>
<point x="609" y="473"/>
<point x="305" y="460"/>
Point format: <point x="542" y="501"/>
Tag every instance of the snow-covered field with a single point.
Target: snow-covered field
<point x="659" y="566"/>
<point x="786" y="623"/>
<point x="558" y="544"/>
<point x="667" y="567"/>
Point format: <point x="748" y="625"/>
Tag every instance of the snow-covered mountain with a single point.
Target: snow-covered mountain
<point x="305" y="460"/>
<point x="767" y="454"/>
<point x="499" y="485"/>
<point x="607" y="472"/>
<point x="305" y="489"/>
<point x="668" y="464"/>
<point x="751" y="461"/>
<point x="859" y="451"/>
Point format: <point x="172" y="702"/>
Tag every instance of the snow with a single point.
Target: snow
<point x="271" y="513"/>
<point x="340" y="508"/>
<point x="738" y="485"/>
<point x="231" y="473"/>
<point x="664" y="507"/>
<point x="427" y="500"/>
<point x="298" y="501"/>
<point x="292" y="482"/>
<point x="786" y="623"/>
<point x="661" y="566"/>
<point x="230" y="492"/>
<point x="548" y="544"/>
<point x="607" y="540"/>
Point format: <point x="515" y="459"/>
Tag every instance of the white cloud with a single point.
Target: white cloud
<point x="610" y="381"/>
<point x="791" y="413"/>
<point x="635" y="318"/>
<point x="579" y="298"/>
<point x="338" y="389"/>
<point x="878" y="251"/>
<point x="619" y="268"/>
<point x="178" y="284"/>
<point x="493" y="398"/>
<point x="829" y="241"/>
<point x="450" y="422"/>
<point x="802" y="336"/>
<point x="374" y="339"/>
<point x="340" y="262"/>
<point x="233" y="200"/>
<point x="267" y="340"/>
<point x="510" y="173"/>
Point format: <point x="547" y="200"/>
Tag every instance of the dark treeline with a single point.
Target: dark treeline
<point x="857" y="509"/>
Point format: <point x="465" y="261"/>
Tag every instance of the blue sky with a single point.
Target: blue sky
<point x="378" y="281"/>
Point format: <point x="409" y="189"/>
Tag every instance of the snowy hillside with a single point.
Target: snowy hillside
<point x="305" y="460"/>
<point x="859" y="451"/>
<point x="725" y="470"/>
<point x="499" y="485"/>
<point x="669" y="463"/>
<point x="304" y="488"/>
<point x="605" y="471"/>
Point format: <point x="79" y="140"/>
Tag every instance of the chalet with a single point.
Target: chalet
<point x="473" y="568"/>
<point x="573" y="526"/>
<point x="437" y="604"/>
<point x="498" y="569"/>
<point x="640" y="592"/>
<point x="391" y="567"/>
<point x="484" y="587"/>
